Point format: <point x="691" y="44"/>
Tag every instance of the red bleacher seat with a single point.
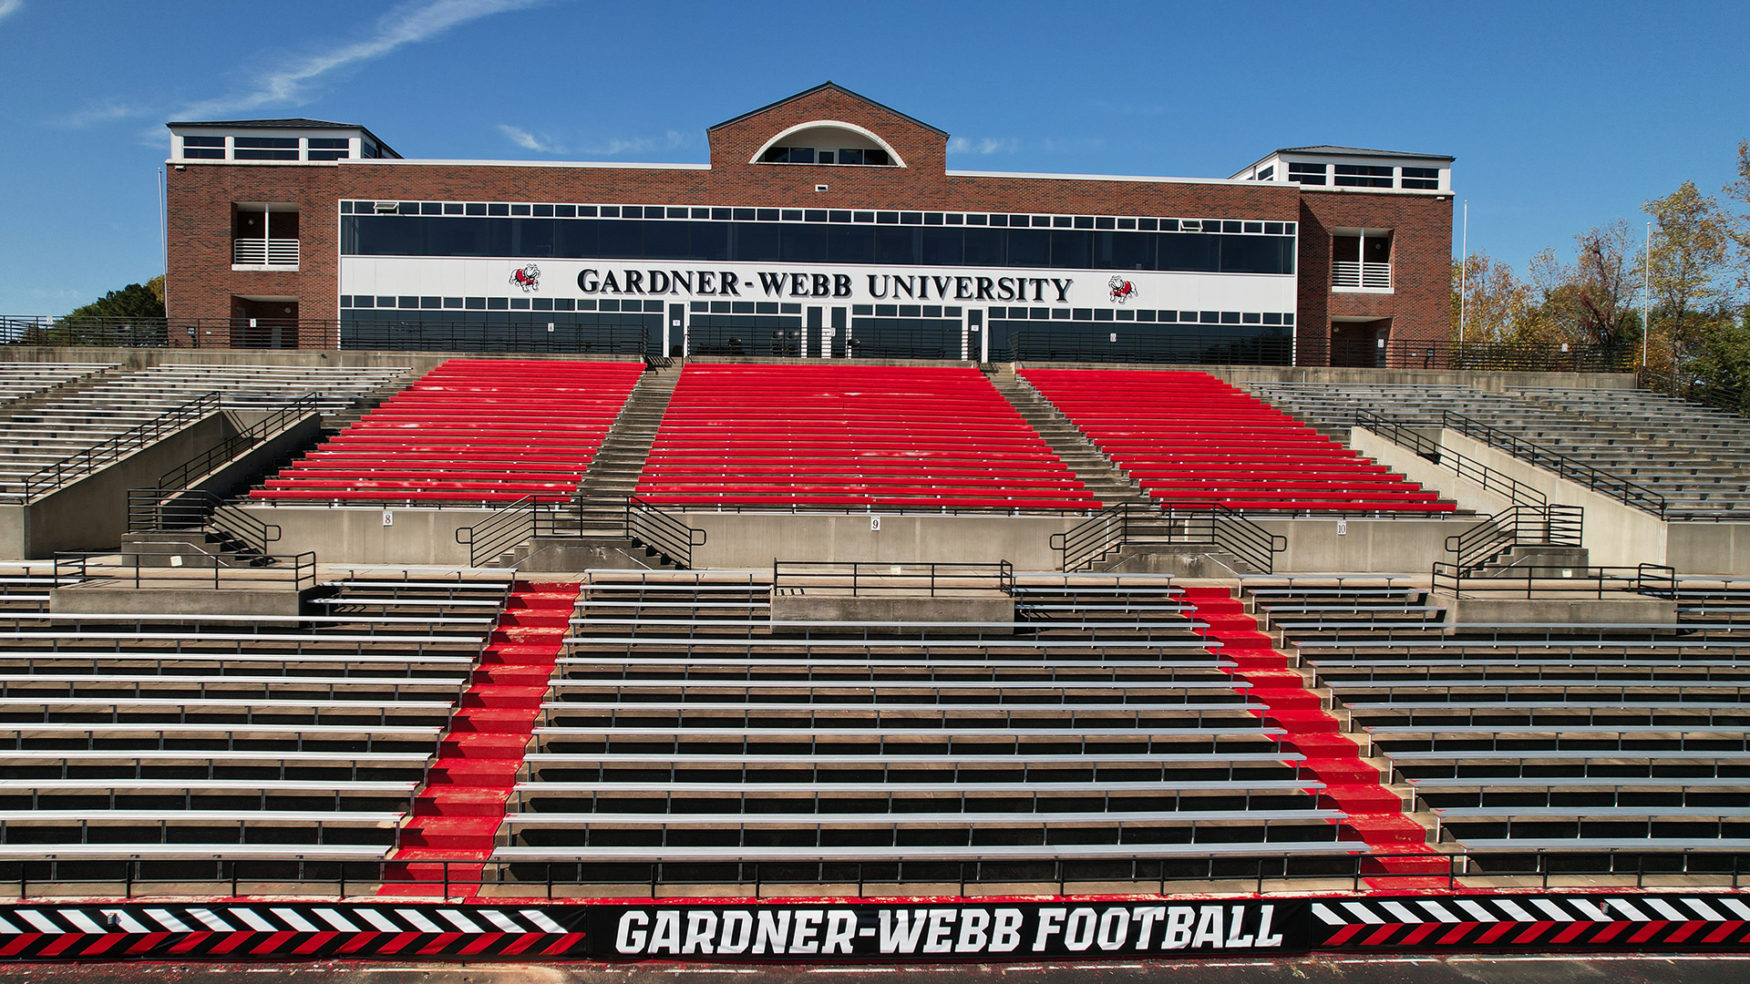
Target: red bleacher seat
<point x="471" y="430"/>
<point x="1189" y="438"/>
<point x="851" y="435"/>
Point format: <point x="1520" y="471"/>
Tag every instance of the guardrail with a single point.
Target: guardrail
<point x="1554" y="525"/>
<point x="1088" y="542"/>
<point x="314" y="876"/>
<point x="1404" y="434"/>
<point x="1214" y="526"/>
<point x="276" y="421"/>
<point x="864" y="579"/>
<point x="403" y="334"/>
<point x="76" y="466"/>
<point x="126" y="569"/>
<point x="1652" y="580"/>
<point x="182" y="510"/>
<point x="663" y="532"/>
<point x="1615" y="486"/>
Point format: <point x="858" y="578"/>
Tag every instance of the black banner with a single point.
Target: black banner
<point x="947" y="930"/>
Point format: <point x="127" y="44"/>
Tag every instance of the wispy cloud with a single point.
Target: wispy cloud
<point x="528" y="141"/>
<point x="542" y="143"/>
<point x="291" y="83"/>
<point x="10" y="7"/>
<point x="984" y="145"/>
<point x="104" y="112"/>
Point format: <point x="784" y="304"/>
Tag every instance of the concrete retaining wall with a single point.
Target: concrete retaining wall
<point x="92" y="513"/>
<point x="1389" y="546"/>
<point x="358" y="535"/>
<point x="740" y="540"/>
<point x="1615" y="535"/>
<point x="1468" y="494"/>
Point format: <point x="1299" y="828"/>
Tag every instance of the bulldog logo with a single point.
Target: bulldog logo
<point x="528" y="277"/>
<point x="1120" y="290"/>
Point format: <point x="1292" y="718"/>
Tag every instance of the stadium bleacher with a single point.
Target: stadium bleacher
<point x="189" y="738"/>
<point x="470" y="430"/>
<point x="851" y="436"/>
<point x="83" y="415"/>
<point x="1693" y="457"/>
<point x="1189" y="438"/>
<point x="1125" y="732"/>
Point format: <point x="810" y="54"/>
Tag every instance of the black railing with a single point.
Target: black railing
<point x="1528" y="582"/>
<point x="1116" y="341"/>
<point x="1405" y="434"/>
<point x="76" y="466"/>
<point x="1344" y="866"/>
<point x="507" y="527"/>
<point x="188" y="510"/>
<point x="866" y="579"/>
<point x="1246" y="540"/>
<point x="412" y="334"/>
<point x="1214" y="526"/>
<point x="1615" y="486"/>
<point x="1728" y="395"/>
<point x="151" y="567"/>
<point x="1093" y="539"/>
<point x="278" y="420"/>
<point x="663" y="532"/>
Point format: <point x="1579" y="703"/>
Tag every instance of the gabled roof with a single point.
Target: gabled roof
<point x="818" y="88"/>
<point x="1363" y="152"/>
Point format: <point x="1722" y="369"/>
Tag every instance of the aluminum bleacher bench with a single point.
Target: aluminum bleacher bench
<point x="899" y="707"/>
<point x="926" y="853"/>
<point x="956" y="818"/>
<point x="223" y="851"/>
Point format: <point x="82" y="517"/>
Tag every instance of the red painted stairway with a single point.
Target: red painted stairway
<point x="1375" y="813"/>
<point x="456" y="815"/>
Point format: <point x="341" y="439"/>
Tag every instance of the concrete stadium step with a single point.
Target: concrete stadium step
<point x="1096" y="472"/>
<point x="460" y="806"/>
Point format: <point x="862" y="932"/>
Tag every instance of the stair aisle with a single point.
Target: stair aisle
<point x="1375" y="813"/>
<point x="457" y="812"/>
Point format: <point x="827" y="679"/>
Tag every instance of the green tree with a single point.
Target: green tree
<point x="1688" y="262"/>
<point x="135" y="301"/>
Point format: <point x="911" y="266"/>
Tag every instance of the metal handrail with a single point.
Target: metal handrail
<point x="1086" y="543"/>
<point x="905" y="578"/>
<point x="276" y="421"/>
<point x="1403" y="433"/>
<point x="75" y="466"/>
<point x="90" y="565"/>
<point x="1653" y="580"/>
<point x="1233" y="532"/>
<point x="500" y="531"/>
<point x="1616" y="486"/>
<point x="1551" y="525"/>
<point x="172" y="510"/>
<point x="665" y="532"/>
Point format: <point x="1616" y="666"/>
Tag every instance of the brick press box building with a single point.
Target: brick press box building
<point x="825" y="225"/>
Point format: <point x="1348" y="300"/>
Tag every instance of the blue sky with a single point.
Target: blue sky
<point x="1561" y="115"/>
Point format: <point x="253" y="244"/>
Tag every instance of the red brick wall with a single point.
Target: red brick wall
<point x="201" y="196"/>
<point x="1421" y="227"/>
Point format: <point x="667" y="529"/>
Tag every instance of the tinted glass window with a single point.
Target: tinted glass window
<point x="1124" y="250"/>
<point x="942" y="246"/>
<point x="1188" y="251"/>
<point x="1029" y="248"/>
<point x="895" y="245"/>
<point x="986" y="247"/>
<point x="754" y="241"/>
<point x="850" y="244"/>
<point x="622" y="240"/>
